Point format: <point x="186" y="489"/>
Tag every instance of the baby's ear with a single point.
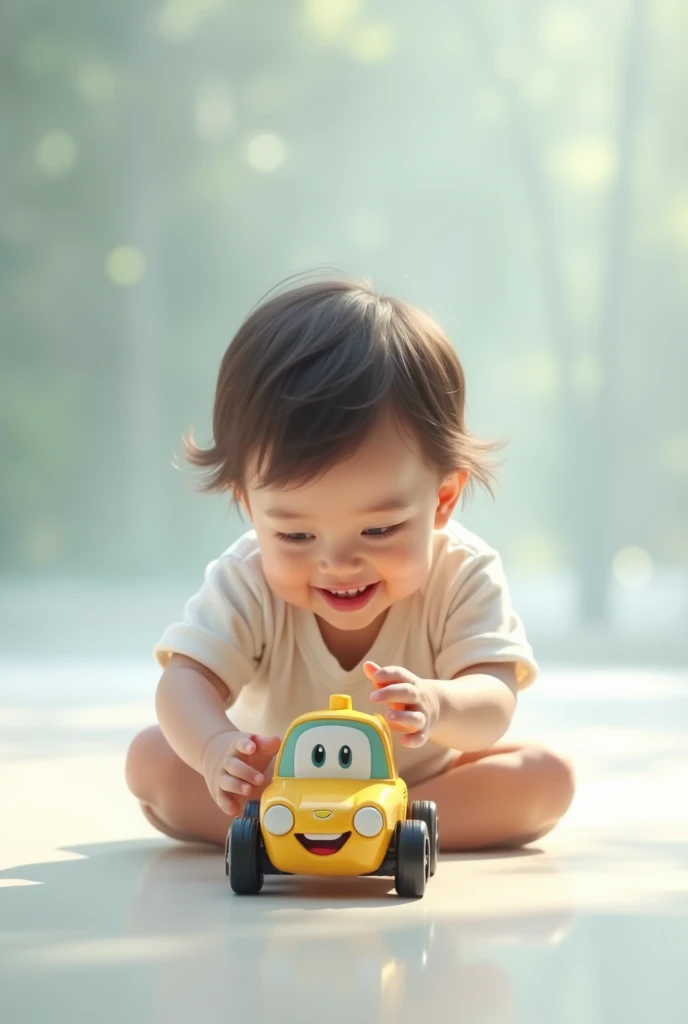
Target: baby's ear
<point x="448" y="495"/>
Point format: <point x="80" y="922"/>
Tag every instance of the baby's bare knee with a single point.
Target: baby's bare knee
<point x="151" y="765"/>
<point x="556" y="781"/>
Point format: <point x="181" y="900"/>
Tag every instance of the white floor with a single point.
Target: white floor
<point x="103" y="920"/>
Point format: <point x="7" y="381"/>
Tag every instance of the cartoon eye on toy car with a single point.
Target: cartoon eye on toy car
<point x="335" y="806"/>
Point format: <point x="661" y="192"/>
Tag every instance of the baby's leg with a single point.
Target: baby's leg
<point x="173" y="797"/>
<point x="506" y="796"/>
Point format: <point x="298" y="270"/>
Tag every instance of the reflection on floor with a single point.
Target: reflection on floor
<point x="103" y="920"/>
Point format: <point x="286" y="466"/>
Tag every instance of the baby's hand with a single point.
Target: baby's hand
<point x="234" y="763"/>
<point x="414" y="702"/>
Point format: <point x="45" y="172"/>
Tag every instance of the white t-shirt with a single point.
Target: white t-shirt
<point x="273" y="660"/>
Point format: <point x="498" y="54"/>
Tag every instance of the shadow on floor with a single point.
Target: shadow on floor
<point x="148" y="931"/>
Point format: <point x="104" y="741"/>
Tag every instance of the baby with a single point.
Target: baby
<point x="339" y="428"/>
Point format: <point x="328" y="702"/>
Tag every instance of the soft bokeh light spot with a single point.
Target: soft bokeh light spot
<point x="179" y="20"/>
<point x="329" y="18"/>
<point x="676" y="219"/>
<point x="540" y="375"/>
<point x="587" y="164"/>
<point x="632" y="567"/>
<point x="265" y="151"/>
<point x="664" y="14"/>
<point x="674" y="454"/>
<point x="215" y="114"/>
<point x="537" y="552"/>
<point x="56" y="153"/>
<point x="125" y="265"/>
<point x="95" y="81"/>
<point x="176" y="22"/>
<point x="372" y="43"/>
<point x="562" y="29"/>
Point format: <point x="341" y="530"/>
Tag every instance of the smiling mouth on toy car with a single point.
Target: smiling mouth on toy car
<point x="322" y="844"/>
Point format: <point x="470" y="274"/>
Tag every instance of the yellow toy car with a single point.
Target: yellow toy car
<point x="335" y="806"/>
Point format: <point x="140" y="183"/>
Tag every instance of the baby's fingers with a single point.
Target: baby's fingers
<point x="268" y="744"/>
<point x="414" y="739"/>
<point x="396" y="694"/>
<point x="246" y="745"/>
<point x="240" y="777"/>
<point x="242" y="771"/>
<point x="229" y="804"/>
<point x="229" y="784"/>
<point x="409" y="721"/>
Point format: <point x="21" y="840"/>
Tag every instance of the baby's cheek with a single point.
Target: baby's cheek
<point x="284" y="571"/>
<point x="407" y="566"/>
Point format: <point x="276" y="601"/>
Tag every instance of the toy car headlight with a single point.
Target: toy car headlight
<point x="368" y="821"/>
<point x="278" y="820"/>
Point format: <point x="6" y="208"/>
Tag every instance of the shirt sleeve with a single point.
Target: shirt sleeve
<point x="221" y="627"/>
<point x="480" y="623"/>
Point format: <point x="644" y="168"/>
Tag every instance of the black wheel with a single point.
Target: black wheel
<point x="243" y="857"/>
<point x="252" y="809"/>
<point x="413" y="858"/>
<point x="426" y="810"/>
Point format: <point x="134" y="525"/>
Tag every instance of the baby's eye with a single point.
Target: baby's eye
<point x="383" y="531"/>
<point x="294" y="538"/>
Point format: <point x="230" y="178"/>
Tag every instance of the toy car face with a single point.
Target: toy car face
<point x="335" y="799"/>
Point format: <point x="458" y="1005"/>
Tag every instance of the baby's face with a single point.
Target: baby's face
<point x="325" y="537"/>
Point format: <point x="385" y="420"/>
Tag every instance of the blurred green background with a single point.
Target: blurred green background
<point x="518" y="169"/>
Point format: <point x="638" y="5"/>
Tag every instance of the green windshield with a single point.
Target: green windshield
<point x="379" y="766"/>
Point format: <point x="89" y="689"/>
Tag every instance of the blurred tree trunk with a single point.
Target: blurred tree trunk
<point x="605" y="416"/>
<point x="593" y="421"/>
<point x="143" y="373"/>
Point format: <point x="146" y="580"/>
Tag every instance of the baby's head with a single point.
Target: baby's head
<point x="339" y="427"/>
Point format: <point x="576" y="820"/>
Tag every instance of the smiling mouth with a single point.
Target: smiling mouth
<point x="322" y="844"/>
<point x="351" y="600"/>
<point x="348" y="591"/>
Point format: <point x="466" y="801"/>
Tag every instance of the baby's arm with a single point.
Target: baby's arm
<point x="190" y="705"/>
<point x="482" y="657"/>
<point x="476" y="712"/>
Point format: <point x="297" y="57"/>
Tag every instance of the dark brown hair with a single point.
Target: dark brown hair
<point x="311" y="369"/>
